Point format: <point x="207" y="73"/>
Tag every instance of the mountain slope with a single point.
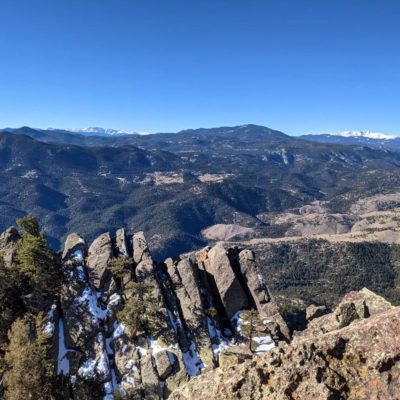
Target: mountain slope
<point x="173" y="186"/>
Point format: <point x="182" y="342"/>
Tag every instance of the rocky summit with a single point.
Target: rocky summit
<point x="200" y="299"/>
<point x="202" y="342"/>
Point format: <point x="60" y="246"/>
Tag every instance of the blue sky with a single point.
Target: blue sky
<point x="298" y="66"/>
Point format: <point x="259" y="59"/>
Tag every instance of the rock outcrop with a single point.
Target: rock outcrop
<point x="100" y="253"/>
<point x="358" y="361"/>
<point x="224" y="280"/>
<point x="199" y="299"/>
<point x="198" y="349"/>
<point x="8" y="244"/>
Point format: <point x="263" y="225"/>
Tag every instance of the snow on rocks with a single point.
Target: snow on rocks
<point x="265" y="343"/>
<point x="49" y="327"/>
<point x="89" y="300"/>
<point x="219" y="342"/>
<point x="192" y="361"/>
<point x="99" y="365"/>
<point x="62" y="360"/>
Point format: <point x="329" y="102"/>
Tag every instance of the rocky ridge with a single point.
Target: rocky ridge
<point x="198" y="351"/>
<point x="352" y="353"/>
<point x="200" y="299"/>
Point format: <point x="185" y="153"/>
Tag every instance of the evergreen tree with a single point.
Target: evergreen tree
<point x="141" y="311"/>
<point x="11" y="305"/>
<point x="211" y="312"/>
<point x="29" y="224"/>
<point x="251" y="320"/>
<point x="37" y="265"/>
<point x="29" y="373"/>
<point x="122" y="268"/>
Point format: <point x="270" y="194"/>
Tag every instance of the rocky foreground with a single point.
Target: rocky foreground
<point x="199" y="350"/>
<point x="199" y="299"/>
<point x="353" y="353"/>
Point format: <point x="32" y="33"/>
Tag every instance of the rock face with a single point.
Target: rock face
<point x="354" y="306"/>
<point x="121" y="244"/>
<point x="223" y="278"/>
<point x="358" y="361"/>
<point x="73" y="242"/>
<point x="100" y="253"/>
<point x="8" y="244"/>
<point x="314" y="311"/>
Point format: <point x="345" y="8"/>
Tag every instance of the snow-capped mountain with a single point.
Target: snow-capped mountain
<point x="97" y="131"/>
<point x="364" y="134"/>
<point x="363" y="138"/>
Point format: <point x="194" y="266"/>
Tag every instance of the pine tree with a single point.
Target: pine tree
<point x="37" y="265"/>
<point x="141" y="311"/>
<point x="122" y="268"/>
<point x="211" y="312"/>
<point x="29" y="373"/>
<point x="29" y="224"/>
<point x="11" y="305"/>
<point x="251" y="320"/>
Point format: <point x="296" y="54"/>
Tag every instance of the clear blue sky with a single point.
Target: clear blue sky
<point x="299" y="66"/>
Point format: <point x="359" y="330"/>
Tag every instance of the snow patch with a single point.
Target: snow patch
<point x="118" y="330"/>
<point x="265" y="343"/>
<point x="192" y="361"/>
<point x="62" y="360"/>
<point x="89" y="298"/>
<point x="50" y="325"/>
<point x="114" y="300"/>
<point x="216" y="336"/>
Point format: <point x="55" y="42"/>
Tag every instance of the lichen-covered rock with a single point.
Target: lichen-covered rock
<point x="314" y="311"/>
<point x="99" y="255"/>
<point x="178" y="376"/>
<point x="187" y="289"/>
<point x="8" y="244"/>
<point x="151" y="386"/>
<point x="359" y="361"/>
<point x="354" y="306"/>
<point x="127" y="362"/>
<point x="164" y="363"/>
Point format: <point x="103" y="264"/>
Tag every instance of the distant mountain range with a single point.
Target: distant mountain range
<point x="363" y="138"/>
<point x="96" y="131"/>
<point x="96" y="136"/>
<point x="175" y="185"/>
<point x="363" y="134"/>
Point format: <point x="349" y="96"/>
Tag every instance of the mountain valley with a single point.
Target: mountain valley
<point x="176" y="186"/>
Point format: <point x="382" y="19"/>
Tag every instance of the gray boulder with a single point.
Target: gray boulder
<point x="314" y="311"/>
<point x="8" y="244"/>
<point x="151" y="386"/>
<point x="121" y="244"/>
<point x="164" y="363"/>
<point x="100" y="253"/>
<point x="140" y="248"/>
<point x="229" y="289"/>
<point x="72" y="243"/>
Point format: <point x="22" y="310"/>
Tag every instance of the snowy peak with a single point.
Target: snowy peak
<point x="97" y="131"/>
<point x="358" y="134"/>
<point x="365" y="134"/>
